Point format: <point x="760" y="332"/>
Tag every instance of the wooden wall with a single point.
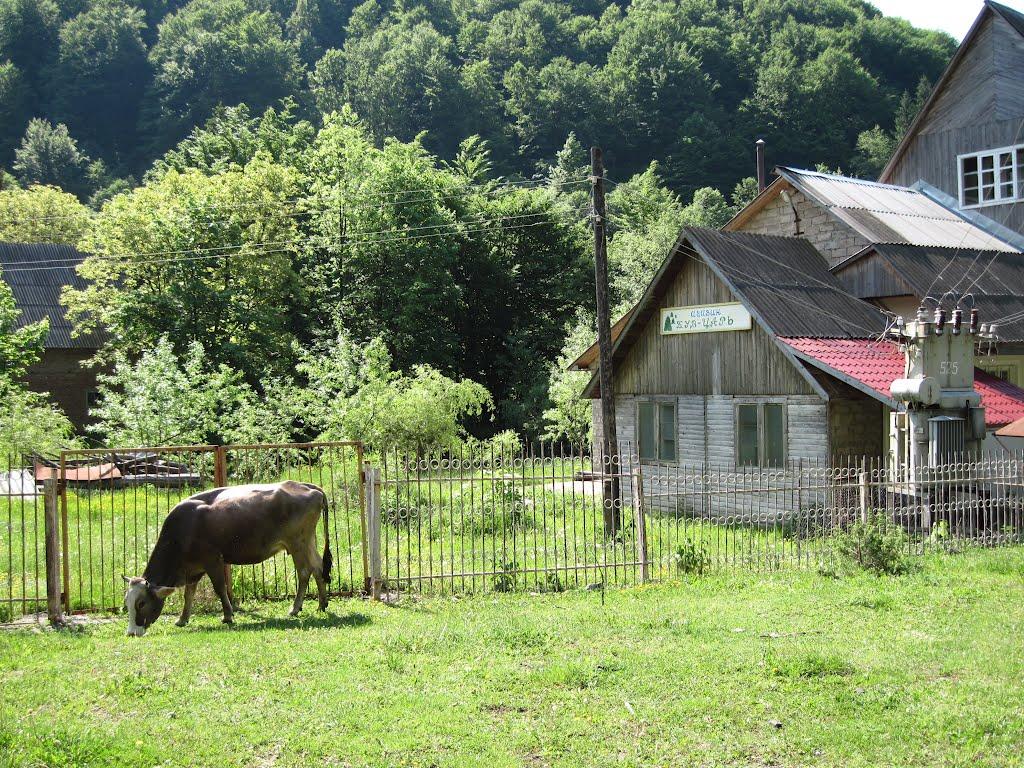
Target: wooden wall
<point x="981" y="107"/>
<point x="729" y="363"/>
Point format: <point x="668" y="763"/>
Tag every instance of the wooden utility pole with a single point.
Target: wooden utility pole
<point x="609" y="443"/>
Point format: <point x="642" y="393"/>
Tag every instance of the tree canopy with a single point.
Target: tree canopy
<point x="689" y="83"/>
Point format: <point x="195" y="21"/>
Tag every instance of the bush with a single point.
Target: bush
<point x="691" y="557"/>
<point x="877" y="546"/>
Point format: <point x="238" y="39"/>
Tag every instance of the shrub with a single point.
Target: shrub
<point x="875" y="545"/>
<point x="505" y="578"/>
<point x="691" y="557"/>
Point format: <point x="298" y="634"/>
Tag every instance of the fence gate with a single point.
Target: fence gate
<point x="113" y="502"/>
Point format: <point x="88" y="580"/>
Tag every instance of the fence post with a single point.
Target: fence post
<point x="371" y="479"/>
<point x="220" y="466"/>
<point x="863" y="477"/>
<point x="641" y="525"/>
<point x="62" y="488"/>
<point x="54" y="611"/>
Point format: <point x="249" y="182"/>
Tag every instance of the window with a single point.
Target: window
<point x="993" y="177"/>
<point x="656" y="430"/>
<point x="761" y="434"/>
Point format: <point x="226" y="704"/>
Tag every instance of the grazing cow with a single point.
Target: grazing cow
<point x="242" y="525"/>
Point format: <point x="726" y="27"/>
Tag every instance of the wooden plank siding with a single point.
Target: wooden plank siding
<point x="980" y="107"/>
<point x="738" y="362"/>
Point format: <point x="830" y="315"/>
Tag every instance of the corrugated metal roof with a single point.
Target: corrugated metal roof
<point x="883" y="213"/>
<point x="787" y="283"/>
<point x="875" y="365"/>
<point x="995" y="278"/>
<point x="37" y="291"/>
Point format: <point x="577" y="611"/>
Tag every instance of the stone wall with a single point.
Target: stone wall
<point x="833" y="239"/>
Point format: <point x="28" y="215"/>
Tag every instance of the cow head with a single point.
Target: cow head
<point x="144" y="603"/>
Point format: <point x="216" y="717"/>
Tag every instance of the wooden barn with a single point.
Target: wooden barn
<point x="746" y="351"/>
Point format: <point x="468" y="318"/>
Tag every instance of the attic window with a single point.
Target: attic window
<point x="993" y="177"/>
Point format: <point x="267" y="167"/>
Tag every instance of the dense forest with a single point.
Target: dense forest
<point x="689" y="83"/>
<point x="282" y="194"/>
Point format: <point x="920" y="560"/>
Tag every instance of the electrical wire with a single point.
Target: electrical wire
<point x="357" y="238"/>
<point x="489" y="187"/>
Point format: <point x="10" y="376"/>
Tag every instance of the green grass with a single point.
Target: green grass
<point x="731" y="669"/>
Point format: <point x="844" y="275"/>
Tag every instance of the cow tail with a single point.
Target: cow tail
<point x="328" y="557"/>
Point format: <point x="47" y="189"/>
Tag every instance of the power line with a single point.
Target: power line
<point x="490" y="187"/>
<point x="271" y="247"/>
<point x="695" y="255"/>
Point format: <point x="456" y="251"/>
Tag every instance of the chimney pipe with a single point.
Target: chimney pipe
<point x="762" y="178"/>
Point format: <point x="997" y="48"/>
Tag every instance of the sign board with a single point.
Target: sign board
<point x="708" y="318"/>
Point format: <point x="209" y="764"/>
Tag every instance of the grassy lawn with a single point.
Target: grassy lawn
<point x="785" y="669"/>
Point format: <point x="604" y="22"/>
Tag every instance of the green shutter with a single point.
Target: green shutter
<point x="774" y="435"/>
<point x="647" y="435"/>
<point x="746" y="436"/>
<point x="667" y="432"/>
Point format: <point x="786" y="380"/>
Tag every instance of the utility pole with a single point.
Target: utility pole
<point x="609" y="443"/>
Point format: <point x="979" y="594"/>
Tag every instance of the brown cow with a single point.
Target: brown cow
<point x="242" y="525"/>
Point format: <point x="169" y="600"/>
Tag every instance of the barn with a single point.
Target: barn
<point x="747" y="351"/>
<point x="37" y="273"/>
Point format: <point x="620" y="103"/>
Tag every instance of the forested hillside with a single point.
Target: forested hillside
<point x="305" y="215"/>
<point x="690" y="84"/>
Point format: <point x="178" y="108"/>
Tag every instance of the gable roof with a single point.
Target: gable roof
<point x="1014" y="18"/>
<point x="787" y="283"/>
<point x="872" y="366"/>
<point x="783" y="281"/>
<point x="995" y="278"/>
<point x="36" y="274"/>
<point x="886" y="213"/>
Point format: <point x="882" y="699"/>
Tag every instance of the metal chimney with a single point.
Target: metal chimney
<point x="762" y="177"/>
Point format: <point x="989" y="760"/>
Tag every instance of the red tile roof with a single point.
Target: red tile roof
<point x="876" y="364"/>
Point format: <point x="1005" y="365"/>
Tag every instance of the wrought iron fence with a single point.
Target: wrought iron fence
<point x="22" y="540"/>
<point x="482" y="519"/>
<point x="547" y="519"/>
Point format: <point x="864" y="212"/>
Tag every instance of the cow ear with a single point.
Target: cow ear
<point x="133" y="579"/>
<point x="163" y="592"/>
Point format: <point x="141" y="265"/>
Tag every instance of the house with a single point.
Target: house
<point x="36" y="274"/>
<point x="966" y="145"/>
<point x="893" y="246"/>
<point x="746" y="350"/>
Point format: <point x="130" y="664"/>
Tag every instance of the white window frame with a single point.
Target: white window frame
<point x="658" y="402"/>
<point x="1017" y="175"/>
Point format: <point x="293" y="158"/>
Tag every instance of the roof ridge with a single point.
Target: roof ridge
<point x="849" y="179"/>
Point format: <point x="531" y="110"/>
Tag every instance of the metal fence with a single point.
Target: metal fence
<point x="546" y="519"/>
<point x="112" y="503"/>
<point x="22" y="540"/>
<point x="482" y="519"/>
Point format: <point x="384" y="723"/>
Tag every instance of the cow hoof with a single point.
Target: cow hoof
<point x="181" y="623"/>
<point x="228" y="620"/>
<point x="294" y="612"/>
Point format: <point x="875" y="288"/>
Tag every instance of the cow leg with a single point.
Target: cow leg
<point x="229" y="584"/>
<point x="186" y="611"/>
<point x="318" y="574"/>
<point x="303" y="571"/>
<point x="216" y="573"/>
